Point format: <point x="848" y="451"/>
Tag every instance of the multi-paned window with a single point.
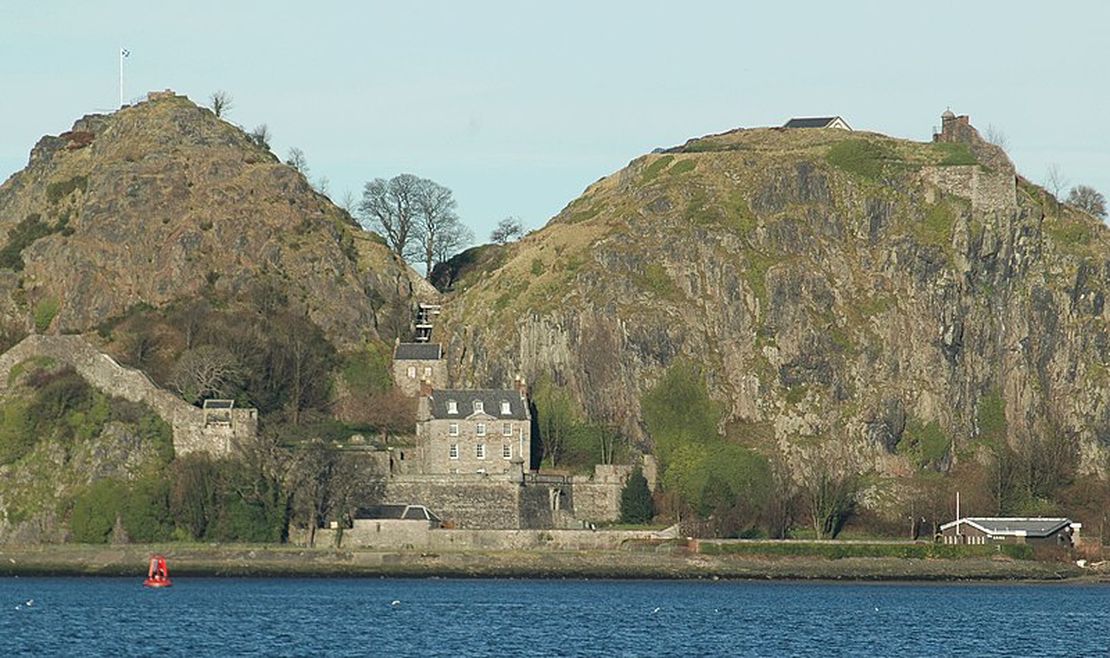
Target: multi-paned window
<point x="452" y="407"/>
<point x="480" y="451"/>
<point x="506" y="409"/>
<point x="412" y="372"/>
<point x="507" y="429"/>
<point x="507" y="451"/>
<point x="453" y="429"/>
<point x="479" y="406"/>
<point x="453" y="453"/>
<point x="480" y="429"/>
<point x="427" y="372"/>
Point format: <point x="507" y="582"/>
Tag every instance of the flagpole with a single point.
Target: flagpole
<point x="121" y="77"/>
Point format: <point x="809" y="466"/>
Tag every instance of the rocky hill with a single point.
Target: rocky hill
<point x="163" y="201"/>
<point x="886" y="304"/>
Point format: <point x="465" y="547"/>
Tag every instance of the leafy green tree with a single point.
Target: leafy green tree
<point x="636" y="504"/>
<point x="146" y="511"/>
<point x="555" y="419"/>
<point x="96" y="510"/>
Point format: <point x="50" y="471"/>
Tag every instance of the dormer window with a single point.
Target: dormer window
<point x="506" y="408"/>
<point x="452" y="407"/>
<point x="479" y="406"/>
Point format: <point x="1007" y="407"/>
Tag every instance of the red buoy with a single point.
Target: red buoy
<point x="159" y="573"/>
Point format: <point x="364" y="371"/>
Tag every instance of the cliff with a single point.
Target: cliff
<point x="886" y="304"/>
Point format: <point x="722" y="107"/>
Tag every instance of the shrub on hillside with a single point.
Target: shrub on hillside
<point x="95" y="511"/>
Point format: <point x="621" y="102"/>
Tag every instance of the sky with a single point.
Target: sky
<point x="518" y="106"/>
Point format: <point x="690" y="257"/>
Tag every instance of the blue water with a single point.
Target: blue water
<point x="348" y="617"/>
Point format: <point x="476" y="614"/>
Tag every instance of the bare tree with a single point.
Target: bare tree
<point x="508" y="230"/>
<point x="321" y="185"/>
<point x="439" y="232"/>
<point x="204" y="372"/>
<point x="221" y="103"/>
<point x="1054" y="180"/>
<point x="390" y="207"/>
<point x="348" y="202"/>
<point x="1089" y="200"/>
<point x="995" y="136"/>
<point x="831" y="496"/>
<point x="261" y="136"/>
<point x="452" y="242"/>
<point x="326" y="485"/>
<point x="297" y="161"/>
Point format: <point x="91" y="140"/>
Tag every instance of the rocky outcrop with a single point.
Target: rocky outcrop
<point x="844" y="290"/>
<point x="163" y="201"/>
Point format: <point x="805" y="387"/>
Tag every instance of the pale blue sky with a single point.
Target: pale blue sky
<point x="518" y="106"/>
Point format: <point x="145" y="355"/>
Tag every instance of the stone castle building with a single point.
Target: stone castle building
<point x="486" y="431"/>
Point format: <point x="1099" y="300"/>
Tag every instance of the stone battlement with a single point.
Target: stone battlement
<point x="191" y="432"/>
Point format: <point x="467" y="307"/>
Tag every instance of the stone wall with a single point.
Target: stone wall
<point x="988" y="191"/>
<point x="420" y="537"/>
<point x="190" y="433"/>
<point x="409" y="373"/>
<point x="491" y="502"/>
<point x="465" y="502"/>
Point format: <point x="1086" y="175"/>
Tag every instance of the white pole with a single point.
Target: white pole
<point x="121" y="77"/>
<point x="957" y="514"/>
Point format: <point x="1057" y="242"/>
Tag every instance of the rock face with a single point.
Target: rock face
<point x="163" y="201"/>
<point x="835" y="287"/>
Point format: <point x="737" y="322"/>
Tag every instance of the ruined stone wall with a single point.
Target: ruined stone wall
<point x="988" y="191"/>
<point x="102" y="372"/>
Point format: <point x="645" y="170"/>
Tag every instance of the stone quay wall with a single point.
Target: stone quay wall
<point x="422" y="538"/>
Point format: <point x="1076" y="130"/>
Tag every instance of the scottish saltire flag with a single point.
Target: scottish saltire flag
<point x="124" y="52"/>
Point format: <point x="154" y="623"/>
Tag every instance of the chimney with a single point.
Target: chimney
<point x="521" y="387"/>
<point x="425" y="388"/>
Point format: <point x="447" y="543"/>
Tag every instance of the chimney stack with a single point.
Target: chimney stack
<point x="521" y="387"/>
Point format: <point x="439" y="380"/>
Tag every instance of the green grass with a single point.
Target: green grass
<point x="925" y="443"/>
<point x="837" y="550"/>
<point x="755" y="272"/>
<point x="955" y="154"/>
<point x="654" y="278"/>
<point x="860" y="157"/>
<point x="990" y="417"/>
<point x="1069" y="232"/>
<point x="937" y="226"/>
<point x="682" y="166"/>
<point x="655" y="168"/>
<point x="537" y="267"/>
<point x="45" y="312"/>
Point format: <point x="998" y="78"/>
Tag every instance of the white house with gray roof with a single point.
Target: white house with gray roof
<point x="1056" y="531"/>
<point x="475" y="431"/>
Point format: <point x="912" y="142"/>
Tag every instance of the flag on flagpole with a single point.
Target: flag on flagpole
<point x="124" y="52"/>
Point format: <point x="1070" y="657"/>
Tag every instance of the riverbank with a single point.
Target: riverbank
<point x="293" y="561"/>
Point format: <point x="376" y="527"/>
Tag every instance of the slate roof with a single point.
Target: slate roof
<point x="1013" y="526"/>
<point x="418" y="352"/>
<point x="398" y="512"/>
<point x="491" y="403"/>
<point x="810" y="122"/>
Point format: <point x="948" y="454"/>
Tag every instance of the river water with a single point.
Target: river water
<point x="364" y="617"/>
